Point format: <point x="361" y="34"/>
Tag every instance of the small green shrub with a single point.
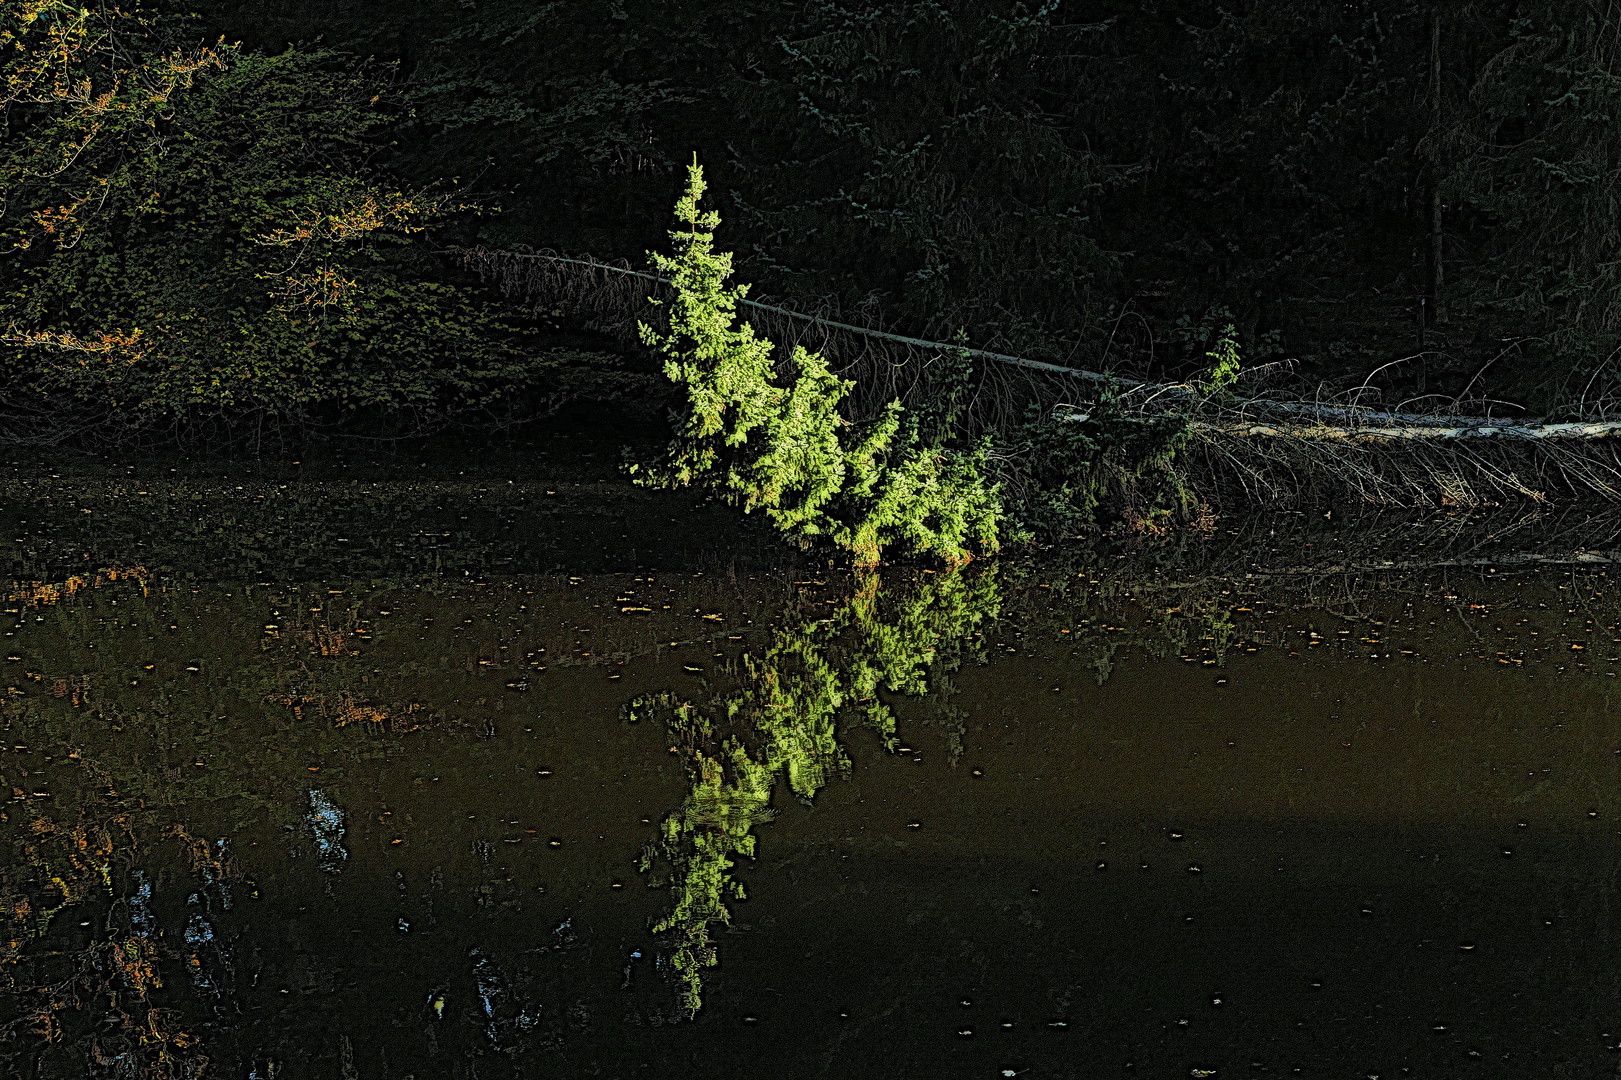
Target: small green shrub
<point x="1222" y="371"/>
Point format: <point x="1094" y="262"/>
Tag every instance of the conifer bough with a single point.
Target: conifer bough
<point x="783" y="446"/>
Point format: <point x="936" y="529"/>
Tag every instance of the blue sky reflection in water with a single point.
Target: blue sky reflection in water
<point x="1017" y="818"/>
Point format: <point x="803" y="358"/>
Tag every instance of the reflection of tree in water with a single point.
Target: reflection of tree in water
<point x="782" y="717"/>
<point x="79" y="950"/>
<point x="136" y="714"/>
<point x="94" y="782"/>
<point x="84" y="995"/>
<point x="80" y="955"/>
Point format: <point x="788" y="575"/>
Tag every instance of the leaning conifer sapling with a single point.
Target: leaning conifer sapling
<point x="787" y="449"/>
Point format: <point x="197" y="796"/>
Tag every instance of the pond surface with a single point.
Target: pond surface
<point x="1077" y="817"/>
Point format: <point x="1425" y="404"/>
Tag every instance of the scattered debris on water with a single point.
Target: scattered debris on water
<point x="325" y="820"/>
<point x="506" y="1020"/>
<point x="141" y="920"/>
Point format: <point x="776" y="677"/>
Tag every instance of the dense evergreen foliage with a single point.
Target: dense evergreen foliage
<point x="1083" y="181"/>
<point x="1412" y="197"/>
<point x="786" y="448"/>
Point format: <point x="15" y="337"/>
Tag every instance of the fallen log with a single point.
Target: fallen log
<point x="1501" y="431"/>
<point x="617" y="290"/>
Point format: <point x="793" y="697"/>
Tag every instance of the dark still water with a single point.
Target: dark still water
<point x="1030" y="820"/>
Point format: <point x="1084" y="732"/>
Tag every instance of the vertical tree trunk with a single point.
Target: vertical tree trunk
<point x="1437" y="299"/>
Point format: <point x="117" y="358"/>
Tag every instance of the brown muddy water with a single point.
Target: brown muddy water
<point x="1022" y="820"/>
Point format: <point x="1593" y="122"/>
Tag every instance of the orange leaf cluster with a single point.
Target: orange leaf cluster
<point x="41" y="593"/>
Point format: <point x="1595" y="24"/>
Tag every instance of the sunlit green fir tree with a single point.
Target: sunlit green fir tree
<point x="783" y="445"/>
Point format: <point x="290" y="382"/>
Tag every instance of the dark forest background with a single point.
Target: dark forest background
<point x="1427" y="193"/>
